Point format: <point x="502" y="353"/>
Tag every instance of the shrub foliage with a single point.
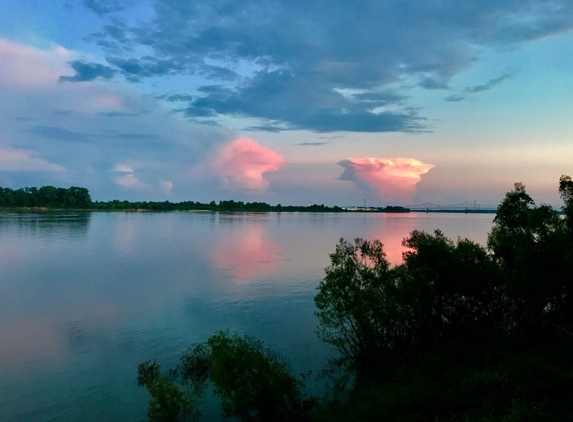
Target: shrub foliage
<point x="457" y="332"/>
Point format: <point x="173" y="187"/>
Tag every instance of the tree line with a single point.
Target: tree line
<point x="457" y="332"/>
<point x="45" y="197"/>
<point x="79" y="198"/>
<point x="222" y="206"/>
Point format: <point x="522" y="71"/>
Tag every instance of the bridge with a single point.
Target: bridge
<point x="462" y="207"/>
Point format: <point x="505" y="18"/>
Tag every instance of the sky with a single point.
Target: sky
<point x="396" y="102"/>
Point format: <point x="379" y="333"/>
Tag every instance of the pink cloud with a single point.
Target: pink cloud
<point x="242" y="163"/>
<point x="393" y="178"/>
<point x="28" y="67"/>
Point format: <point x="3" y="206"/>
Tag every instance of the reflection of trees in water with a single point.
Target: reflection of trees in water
<point x="46" y="224"/>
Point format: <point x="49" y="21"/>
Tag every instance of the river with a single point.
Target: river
<point x="85" y="297"/>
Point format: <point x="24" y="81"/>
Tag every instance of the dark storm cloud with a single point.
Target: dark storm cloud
<point x="300" y="55"/>
<point x="88" y="72"/>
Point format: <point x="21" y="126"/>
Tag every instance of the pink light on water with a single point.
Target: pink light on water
<point x="246" y="252"/>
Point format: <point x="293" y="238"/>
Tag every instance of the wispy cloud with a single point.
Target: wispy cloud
<point x="431" y="83"/>
<point x="313" y="144"/>
<point x="491" y="83"/>
<point x="455" y="98"/>
<point x="510" y="73"/>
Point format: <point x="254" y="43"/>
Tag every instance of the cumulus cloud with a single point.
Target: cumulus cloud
<point x="242" y="163"/>
<point x="88" y="129"/>
<point x="131" y="182"/>
<point x="29" y="67"/>
<point x="20" y="160"/>
<point x="392" y="178"/>
<point x="123" y="168"/>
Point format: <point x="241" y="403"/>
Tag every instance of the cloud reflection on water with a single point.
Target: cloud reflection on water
<point x="391" y="231"/>
<point x="83" y="300"/>
<point x="27" y="340"/>
<point x="244" y="249"/>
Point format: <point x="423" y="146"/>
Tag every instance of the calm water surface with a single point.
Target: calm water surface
<point x="86" y="297"/>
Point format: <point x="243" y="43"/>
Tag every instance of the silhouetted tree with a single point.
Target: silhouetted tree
<point x="252" y="380"/>
<point x="457" y="332"/>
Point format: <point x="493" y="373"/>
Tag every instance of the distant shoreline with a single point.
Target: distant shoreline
<point x="143" y="210"/>
<point x="456" y="211"/>
<point x="32" y="210"/>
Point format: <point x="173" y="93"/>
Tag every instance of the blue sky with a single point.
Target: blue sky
<point x="288" y="101"/>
